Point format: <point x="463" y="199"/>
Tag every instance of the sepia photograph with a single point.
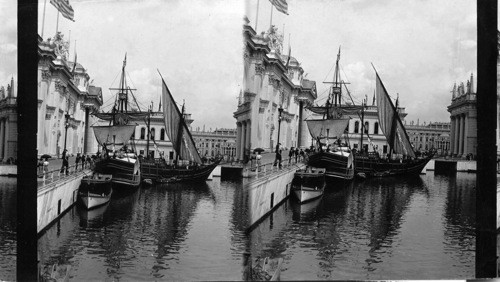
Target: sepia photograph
<point x="255" y="140"/>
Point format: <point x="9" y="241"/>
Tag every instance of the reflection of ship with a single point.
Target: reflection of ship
<point x="335" y="157"/>
<point x="308" y="184"/>
<point x="117" y="159"/>
<point x="188" y="165"/>
<point x="95" y="190"/>
<point x="407" y="163"/>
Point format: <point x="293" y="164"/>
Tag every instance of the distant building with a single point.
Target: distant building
<point x="463" y="113"/>
<point x="66" y="100"/>
<point x="434" y="135"/>
<point x="274" y="96"/>
<point x="8" y="124"/>
<point x="221" y="141"/>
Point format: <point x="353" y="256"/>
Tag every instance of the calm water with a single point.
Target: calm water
<point x="391" y="228"/>
<point x="8" y="221"/>
<point x="175" y="232"/>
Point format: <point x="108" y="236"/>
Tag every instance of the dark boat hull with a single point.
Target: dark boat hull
<point x="335" y="165"/>
<point x="165" y="173"/>
<point x="376" y="167"/>
<point x="124" y="174"/>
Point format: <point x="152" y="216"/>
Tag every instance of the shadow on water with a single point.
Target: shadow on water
<point x="355" y="232"/>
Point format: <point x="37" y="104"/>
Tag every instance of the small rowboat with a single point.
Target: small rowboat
<point x="95" y="190"/>
<point x="308" y="184"/>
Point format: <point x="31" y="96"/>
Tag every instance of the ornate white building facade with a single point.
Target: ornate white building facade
<point x="273" y="98"/>
<point x="66" y="100"/>
<point x="463" y="113"/>
<point x="8" y="124"/>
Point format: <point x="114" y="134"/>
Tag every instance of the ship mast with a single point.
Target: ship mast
<point x="122" y="91"/>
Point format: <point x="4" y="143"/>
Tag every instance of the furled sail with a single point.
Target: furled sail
<point x="335" y="111"/>
<point x="390" y="123"/>
<point x="114" y="137"/>
<point x="122" y="118"/>
<point x="327" y="128"/>
<point x="176" y="129"/>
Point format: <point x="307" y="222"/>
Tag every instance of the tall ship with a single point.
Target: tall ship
<point x="188" y="165"/>
<point x="401" y="159"/>
<point x="330" y="152"/>
<point x="117" y="159"/>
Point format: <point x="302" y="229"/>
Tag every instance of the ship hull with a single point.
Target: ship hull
<point x="376" y="167"/>
<point x="125" y="173"/>
<point x="335" y="165"/>
<point x="163" y="173"/>
<point x="308" y="184"/>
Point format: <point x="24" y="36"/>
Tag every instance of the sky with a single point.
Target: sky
<point x="8" y="41"/>
<point x="420" y="48"/>
<point x="196" y="45"/>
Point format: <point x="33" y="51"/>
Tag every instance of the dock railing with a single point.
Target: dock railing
<point x="253" y="167"/>
<point x="48" y="177"/>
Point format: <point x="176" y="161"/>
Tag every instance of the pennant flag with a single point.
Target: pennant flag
<point x="65" y="8"/>
<point x="280" y="5"/>
<point x="159" y="106"/>
<point x="74" y="66"/>
<point x="289" y="52"/>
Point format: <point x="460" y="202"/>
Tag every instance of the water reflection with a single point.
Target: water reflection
<point x="165" y="232"/>
<point x="8" y="222"/>
<point x="397" y="228"/>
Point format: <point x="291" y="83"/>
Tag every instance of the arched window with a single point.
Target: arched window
<point x="152" y="134"/>
<point x="356" y="127"/>
<point x="375" y="128"/>
<point x="162" y="134"/>
<point x="143" y="132"/>
<point x="367" y="127"/>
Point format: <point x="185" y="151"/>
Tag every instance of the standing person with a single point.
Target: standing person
<point x="65" y="164"/>
<point x="302" y="155"/>
<point x="290" y="155"/>
<point x="296" y="154"/>
<point x="78" y="158"/>
<point x="84" y="164"/>
<point x="259" y="157"/>
<point x="63" y="158"/>
<point x="87" y="159"/>
<point x="277" y="151"/>
<point x="40" y="167"/>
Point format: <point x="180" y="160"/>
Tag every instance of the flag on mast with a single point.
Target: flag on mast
<point x="65" y="8"/>
<point x="280" y="5"/>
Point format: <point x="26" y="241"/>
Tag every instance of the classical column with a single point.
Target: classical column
<point x="238" y="140"/>
<point x="299" y="130"/>
<point x="461" y="137"/>
<point x="86" y="146"/>
<point x="2" y="131"/>
<point x="455" y="135"/>
<point x="6" y="154"/>
<point x="242" y="141"/>
<point x="248" y="134"/>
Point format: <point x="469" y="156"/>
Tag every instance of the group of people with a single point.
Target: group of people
<point x="81" y="159"/>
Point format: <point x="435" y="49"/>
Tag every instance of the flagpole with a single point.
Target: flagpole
<point x="256" y="16"/>
<point x="57" y="23"/>
<point x="43" y="19"/>
<point x="271" y="21"/>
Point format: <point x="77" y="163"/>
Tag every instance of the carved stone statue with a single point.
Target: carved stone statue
<point x="62" y="46"/>
<point x="275" y="39"/>
<point x="2" y="92"/>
